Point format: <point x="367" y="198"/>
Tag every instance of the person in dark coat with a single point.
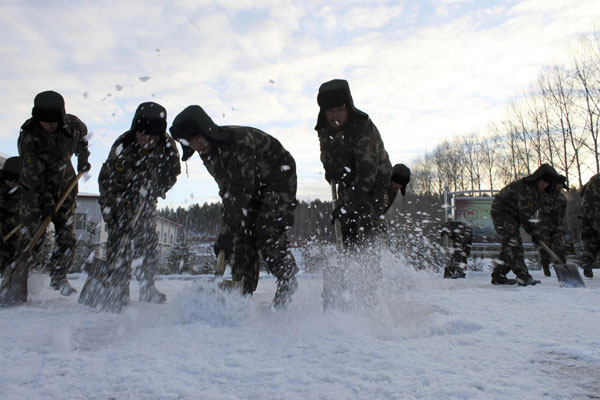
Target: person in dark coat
<point x="553" y="208"/>
<point x="515" y="206"/>
<point x="143" y="165"/>
<point x="354" y="157"/>
<point x="10" y="205"/>
<point x="461" y="235"/>
<point x="590" y="223"/>
<point x="257" y="184"/>
<point x="398" y="183"/>
<point x="47" y="142"/>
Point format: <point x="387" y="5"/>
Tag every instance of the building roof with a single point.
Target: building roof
<point x="169" y="221"/>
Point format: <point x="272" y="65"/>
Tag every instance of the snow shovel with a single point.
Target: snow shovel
<point x="14" y="283"/>
<point x="567" y="274"/>
<point x="99" y="286"/>
<point x="333" y="275"/>
<point x="339" y="239"/>
<point x="226" y="284"/>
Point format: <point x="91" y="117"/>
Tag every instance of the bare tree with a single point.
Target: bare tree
<point x="586" y="63"/>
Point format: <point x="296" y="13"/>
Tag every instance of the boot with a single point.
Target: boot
<point x="501" y="279"/>
<point x="587" y="271"/>
<point x="62" y="284"/>
<point x="151" y="294"/>
<point x="526" y="280"/>
<point x="285" y="290"/>
<point x="546" y="269"/>
<point x="459" y="273"/>
<point x="13" y="290"/>
<point x="449" y="273"/>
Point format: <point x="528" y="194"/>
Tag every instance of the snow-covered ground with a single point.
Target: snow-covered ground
<point x="425" y="338"/>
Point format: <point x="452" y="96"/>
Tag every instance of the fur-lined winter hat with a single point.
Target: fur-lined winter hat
<point x="150" y="119"/>
<point x="336" y="93"/>
<point x="11" y="169"/>
<point x="194" y="121"/>
<point x="545" y="172"/>
<point x="49" y="106"/>
<point x="401" y="175"/>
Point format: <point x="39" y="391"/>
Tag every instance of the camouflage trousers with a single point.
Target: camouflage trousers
<point x="271" y="215"/>
<point x="8" y="249"/>
<point x="555" y="240"/>
<point x="461" y="247"/>
<point x="590" y="235"/>
<point x="366" y="229"/>
<point x="141" y="250"/>
<point x="511" y="256"/>
<point x="63" y="252"/>
<point x="460" y="254"/>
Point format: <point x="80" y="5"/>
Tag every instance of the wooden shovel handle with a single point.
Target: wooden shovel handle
<point x="47" y="220"/>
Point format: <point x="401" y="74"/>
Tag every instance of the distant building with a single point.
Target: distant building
<point x="169" y="233"/>
<point x="88" y="221"/>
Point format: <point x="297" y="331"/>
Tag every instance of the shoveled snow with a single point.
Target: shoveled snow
<point x="426" y="338"/>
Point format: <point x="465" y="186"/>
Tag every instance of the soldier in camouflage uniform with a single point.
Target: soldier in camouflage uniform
<point x="553" y="208"/>
<point x="353" y="156"/>
<point x="400" y="179"/>
<point x="46" y="144"/>
<point x="257" y="184"/>
<point x="590" y="223"/>
<point x="143" y="164"/>
<point x="10" y="203"/>
<point x="516" y="206"/>
<point x="461" y="235"/>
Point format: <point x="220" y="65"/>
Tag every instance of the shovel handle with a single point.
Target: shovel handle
<point x="220" y="263"/>
<point x="47" y="220"/>
<point x="339" y="239"/>
<point x="550" y="252"/>
<point x="12" y="232"/>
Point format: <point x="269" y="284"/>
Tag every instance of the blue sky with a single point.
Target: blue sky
<point x="423" y="70"/>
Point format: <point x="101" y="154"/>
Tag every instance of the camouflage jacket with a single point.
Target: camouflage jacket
<point x="356" y="158"/>
<point x="253" y="162"/>
<point x="131" y="176"/>
<point x="520" y="201"/>
<point x="10" y="206"/>
<point x="590" y="205"/>
<point x="46" y="159"/>
<point x="553" y="207"/>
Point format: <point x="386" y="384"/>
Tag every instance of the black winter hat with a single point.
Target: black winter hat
<point x="401" y="175"/>
<point x="150" y="119"/>
<point x="194" y="121"/>
<point x="11" y="169"/>
<point x="545" y="172"/>
<point x="49" y="106"/>
<point x="336" y="93"/>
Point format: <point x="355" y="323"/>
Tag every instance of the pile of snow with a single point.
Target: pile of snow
<point x="423" y="337"/>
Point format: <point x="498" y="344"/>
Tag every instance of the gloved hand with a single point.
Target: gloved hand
<point x="83" y="165"/>
<point x="225" y="243"/>
<point x="535" y="238"/>
<point x="344" y="213"/>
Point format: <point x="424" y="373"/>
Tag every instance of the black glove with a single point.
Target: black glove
<point x="83" y="166"/>
<point x="225" y="243"/>
<point x="344" y="213"/>
<point x="535" y="238"/>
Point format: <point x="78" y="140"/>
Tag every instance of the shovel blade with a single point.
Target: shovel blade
<point x="568" y="276"/>
<point x="230" y="285"/>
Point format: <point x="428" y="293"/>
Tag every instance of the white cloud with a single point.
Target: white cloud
<point x="421" y="75"/>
